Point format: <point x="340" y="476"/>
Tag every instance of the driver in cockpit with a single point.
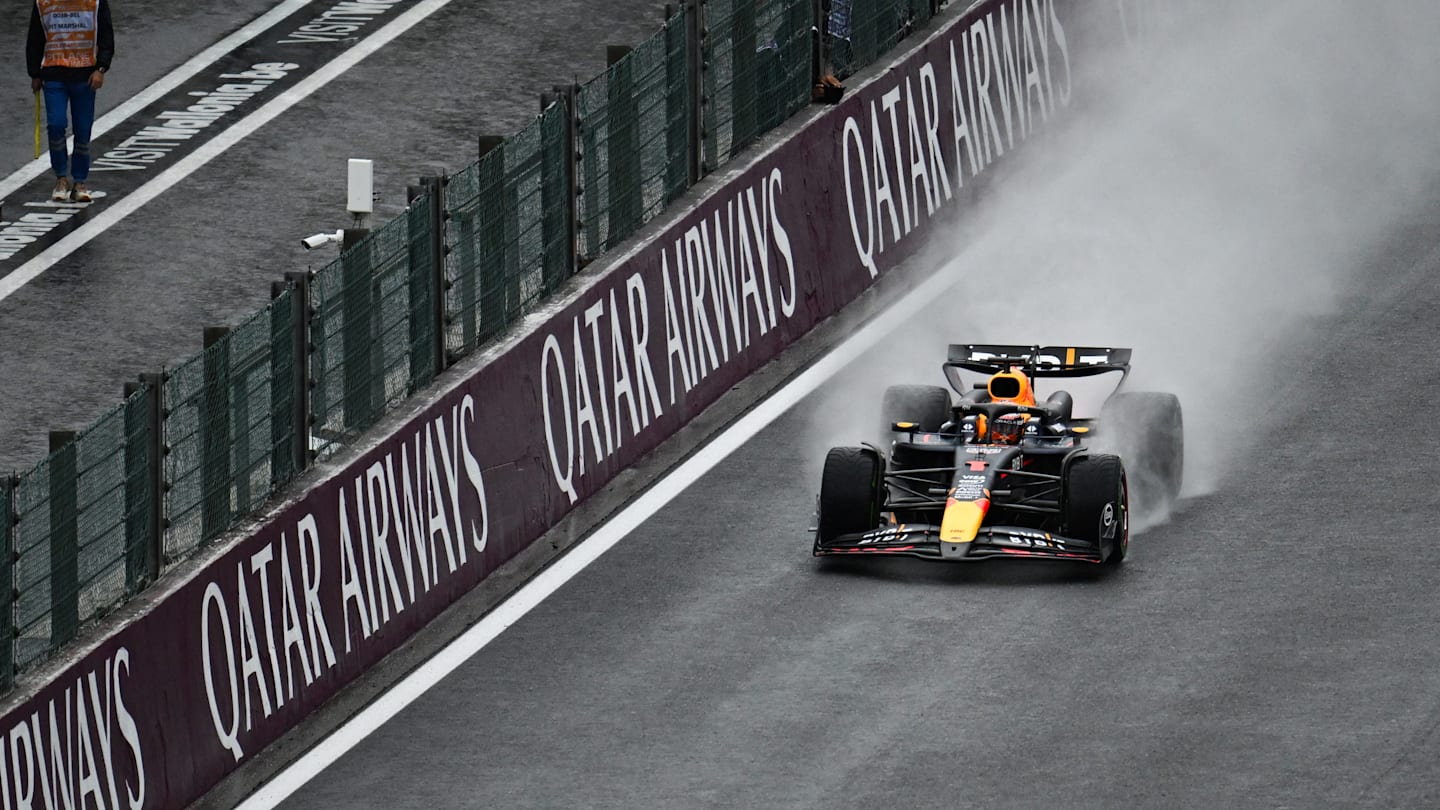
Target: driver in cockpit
<point x="1009" y="386"/>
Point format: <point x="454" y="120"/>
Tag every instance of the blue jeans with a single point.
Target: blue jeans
<point x="79" y="98"/>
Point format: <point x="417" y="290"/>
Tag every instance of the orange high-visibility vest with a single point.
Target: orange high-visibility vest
<point x="71" y="32"/>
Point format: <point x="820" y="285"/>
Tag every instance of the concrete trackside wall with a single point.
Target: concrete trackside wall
<point x="226" y="662"/>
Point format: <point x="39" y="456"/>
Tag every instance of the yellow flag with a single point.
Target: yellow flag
<point x="37" y="123"/>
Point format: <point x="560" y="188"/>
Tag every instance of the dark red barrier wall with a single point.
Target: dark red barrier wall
<point x="159" y="713"/>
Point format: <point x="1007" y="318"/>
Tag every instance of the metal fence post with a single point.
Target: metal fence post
<point x="821" y="11"/>
<point x="285" y="322"/>
<point x="427" y="280"/>
<point x="7" y="582"/>
<point x="143" y="450"/>
<point x="300" y="349"/>
<point x="493" y="270"/>
<point x="64" y="538"/>
<point x="358" y="306"/>
<point x="159" y="448"/>
<point x="215" y="435"/>
<point x="571" y="94"/>
<point x="282" y="386"/>
<point x="439" y="250"/>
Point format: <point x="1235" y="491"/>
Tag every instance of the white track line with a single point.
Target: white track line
<point x="237" y="132"/>
<point x="160" y="88"/>
<point x="472" y="641"/>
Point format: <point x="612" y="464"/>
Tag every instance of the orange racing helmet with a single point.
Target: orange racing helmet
<point x="1011" y="386"/>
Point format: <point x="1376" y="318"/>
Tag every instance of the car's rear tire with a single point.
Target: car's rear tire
<point x="928" y="406"/>
<point x="1097" y="507"/>
<point x="1147" y="430"/>
<point x="850" y="487"/>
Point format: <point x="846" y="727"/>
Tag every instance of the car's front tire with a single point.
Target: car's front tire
<point x="850" y="488"/>
<point x="1097" y="507"/>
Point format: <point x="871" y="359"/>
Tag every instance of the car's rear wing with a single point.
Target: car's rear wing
<point x="1038" y="361"/>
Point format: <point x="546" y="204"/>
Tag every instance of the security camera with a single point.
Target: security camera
<point x="322" y="239"/>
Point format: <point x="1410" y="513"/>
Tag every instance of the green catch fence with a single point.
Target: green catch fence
<point x="508" y="231"/>
<point x="758" y="70"/>
<point x="229" y="427"/>
<point x="80" y="531"/>
<point x="192" y="452"/>
<point x="635" y="123"/>
<point x="857" y="32"/>
<point x="372" y="328"/>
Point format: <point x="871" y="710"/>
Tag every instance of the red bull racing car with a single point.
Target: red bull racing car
<point x="1003" y="472"/>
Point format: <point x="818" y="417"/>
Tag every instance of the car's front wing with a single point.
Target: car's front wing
<point x="991" y="542"/>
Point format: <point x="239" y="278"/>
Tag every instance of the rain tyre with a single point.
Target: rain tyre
<point x="928" y="406"/>
<point x="850" y="487"/>
<point x="1097" y="504"/>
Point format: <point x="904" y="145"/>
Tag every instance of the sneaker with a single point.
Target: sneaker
<point x="82" y="194"/>
<point x="62" y="190"/>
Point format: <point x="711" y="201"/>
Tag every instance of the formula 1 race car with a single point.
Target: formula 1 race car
<point x="1000" y="473"/>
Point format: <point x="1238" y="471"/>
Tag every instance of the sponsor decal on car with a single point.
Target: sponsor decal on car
<point x="969" y="487"/>
<point x="1033" y="538"/>
<point x="886" y="535"/>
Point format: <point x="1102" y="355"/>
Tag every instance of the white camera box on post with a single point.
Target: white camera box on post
<point x="361" y="196"/>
